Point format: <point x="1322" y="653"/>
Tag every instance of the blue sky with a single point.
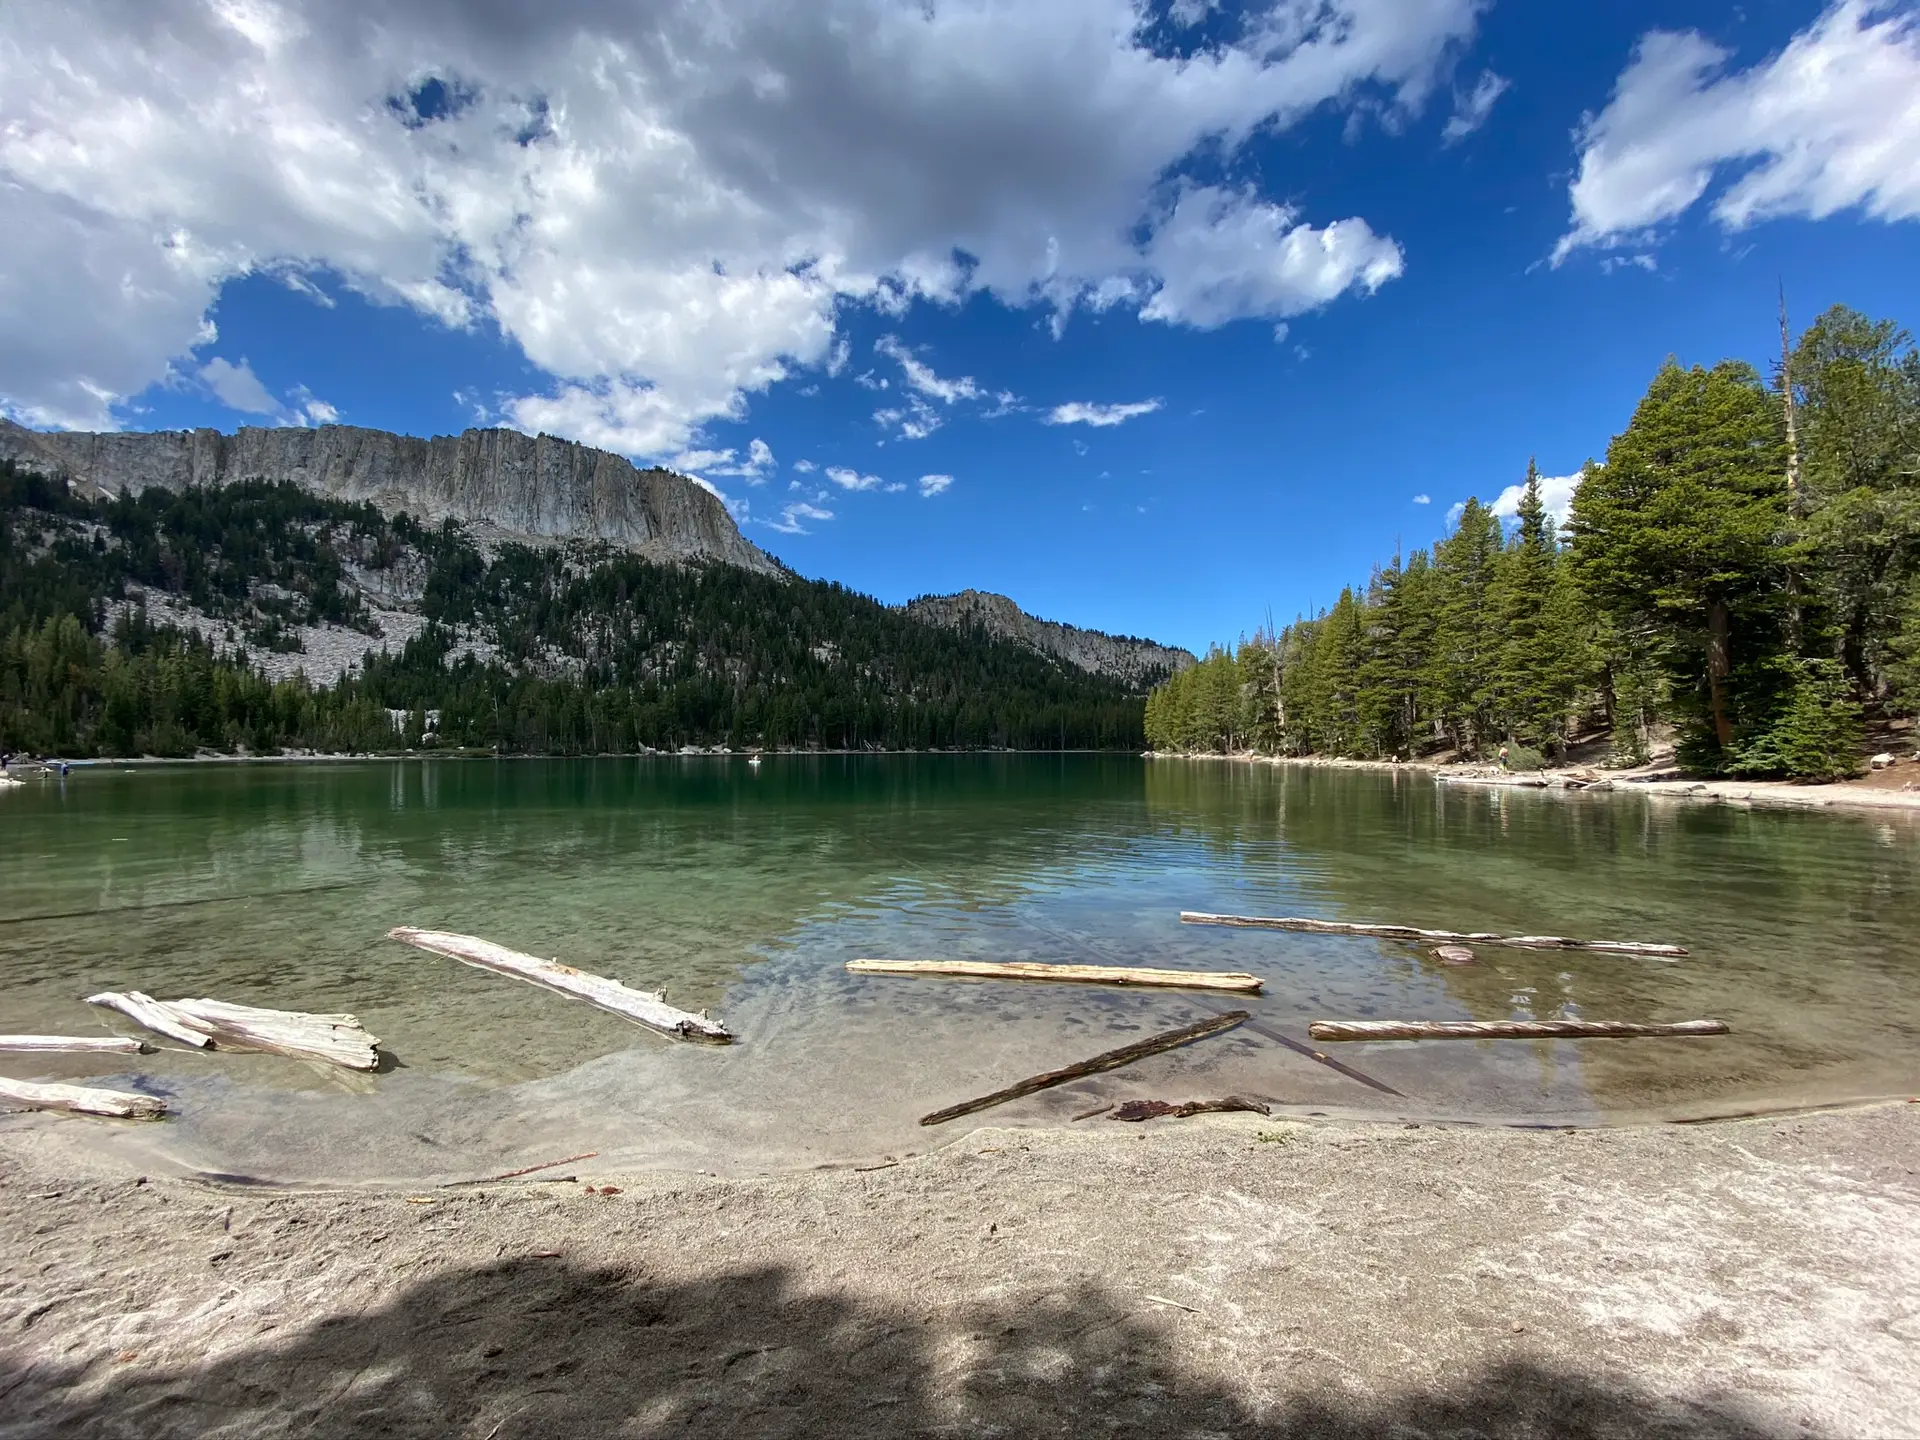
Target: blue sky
<point x="1334" y="256"/>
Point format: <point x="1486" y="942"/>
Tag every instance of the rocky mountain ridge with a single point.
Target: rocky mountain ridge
<point x="1136" y="662"/>
<point x="504" y="486"/>
<point x="537" y="488"/>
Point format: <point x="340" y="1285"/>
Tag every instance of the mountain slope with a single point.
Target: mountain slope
<point x="262" y="616"/>
<point x="529" y="487"/>
<point x="1139" y="664"/>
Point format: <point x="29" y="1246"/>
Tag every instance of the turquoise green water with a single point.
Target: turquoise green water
<point x="744" y="891"/>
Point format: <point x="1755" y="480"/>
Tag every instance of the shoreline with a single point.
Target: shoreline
<point x="126" y="762"/>
<point x="1225" y="1274"/>
<point x="1586" y="780"/>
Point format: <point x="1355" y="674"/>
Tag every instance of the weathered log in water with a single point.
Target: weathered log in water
<point x="85" y="1100"/>
<point x="1110" y="1060"/>
<point x="75" y="1044"/>
<point x="156" y="1016"/>
<point x="1508" y="1029"/>
<point x="1083" y="974"/>
<point x="334" y="1039"/>
<point x="1449" y="937"/>
<point x="645" y="1007"/>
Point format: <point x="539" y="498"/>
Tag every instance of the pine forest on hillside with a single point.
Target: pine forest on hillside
<point x="1744" y="567"/>
<point x="564" y="649"/>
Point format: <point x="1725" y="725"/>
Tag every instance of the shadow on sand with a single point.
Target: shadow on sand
<point x="541" y="1348"/>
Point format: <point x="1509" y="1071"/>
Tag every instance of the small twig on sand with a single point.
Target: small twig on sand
<point x="1162" y="1300"/>
<point x="543" y="1165"/>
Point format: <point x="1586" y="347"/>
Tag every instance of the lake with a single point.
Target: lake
<point x="744" y="891"/>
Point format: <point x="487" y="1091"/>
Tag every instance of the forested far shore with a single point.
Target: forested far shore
<point x="1743" y="568"/>
<point x="567" y="649"/>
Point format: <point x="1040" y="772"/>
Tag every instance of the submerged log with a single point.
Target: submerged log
<point x="1084" y="974"/>
<point x="645" y="1007"/>
<point x="116" y="1104"/>
<point x="1446" y="937"/>
<point x="155" y="1016"/>
<point x="1111" y="1060"/>
<point x="112" y="1044"/>
<point x="1135" y="1110"/>
<point x="335" y="1039"/>
<point x="1506" y="1029"/>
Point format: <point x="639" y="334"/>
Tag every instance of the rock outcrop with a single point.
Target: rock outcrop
<point x="536" y="487"/>
<point x="1135" y="662"/>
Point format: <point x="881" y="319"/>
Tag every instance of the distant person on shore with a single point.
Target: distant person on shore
<point x="1503" y="759"/>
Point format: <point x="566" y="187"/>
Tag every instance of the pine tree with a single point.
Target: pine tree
<point x="1678" y="528"/>
<point x="1538" y="654"/>
<point x="1466" y="638"/>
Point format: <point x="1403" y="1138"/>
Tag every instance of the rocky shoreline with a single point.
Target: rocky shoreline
<point x="1662" y="782"/>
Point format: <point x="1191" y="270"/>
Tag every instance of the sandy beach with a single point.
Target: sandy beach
<point x="1225" y="1275"/>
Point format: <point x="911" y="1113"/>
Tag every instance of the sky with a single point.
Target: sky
<point x="1160" y="318"/>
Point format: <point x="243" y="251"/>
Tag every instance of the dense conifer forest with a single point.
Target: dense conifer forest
<point x="1744" y="567"/>
<point x="568" y="649"/>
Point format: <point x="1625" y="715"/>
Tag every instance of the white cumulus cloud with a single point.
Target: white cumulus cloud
<point x="932" y="485"/>
<point x="1556" y="492"/>
<point x="793" y="517"/>
<point x="1085" y="412"/>
<point x="852" y="479"/>
<point x="1223" y="255"/>
<point x="922" y="377"/>
<point x="1831" y="123"/>
<point x="1472" y="107"/>
<point x="666" y="208"/>
<point x="237" y="387"/>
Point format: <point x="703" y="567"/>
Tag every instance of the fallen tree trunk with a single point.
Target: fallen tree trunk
<point x="645" y="1007"/>
<point x="1506" y="1029"/>
<point x="1111" y="1060"/>
<point x="1084" y="974"/>
<point x="1447" y="937"/>
<point x="155" y="1016"/>
<point x="116" y="1104"/>
<point x="335" y="1039"/>
<point x="113" y="1044"/>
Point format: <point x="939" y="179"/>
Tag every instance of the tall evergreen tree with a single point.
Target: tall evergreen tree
<point x="1679" y="528"/>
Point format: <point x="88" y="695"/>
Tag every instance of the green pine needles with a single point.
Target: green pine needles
<point x="1754" y="597"/>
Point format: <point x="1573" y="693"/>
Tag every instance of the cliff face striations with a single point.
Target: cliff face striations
<point x="537" y="487"/>
<point x="1138" y="663"/>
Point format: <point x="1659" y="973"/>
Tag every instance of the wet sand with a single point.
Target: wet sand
<point x="1224" y="1275"/>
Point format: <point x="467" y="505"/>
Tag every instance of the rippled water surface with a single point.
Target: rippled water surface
<point x="744" y="891"/>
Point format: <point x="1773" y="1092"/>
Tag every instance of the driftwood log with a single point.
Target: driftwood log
<point x="1110" y="1060"/>
<point x="1506" y="1029"/>
<point x="335" y="1039"/>
<point x="1444" y="937"/>
<point x="116" y="1104"/>
<point x="154" y="1015"/>
<point x="645" y="1007"/>
<point x="1154" y="1109"/>
<point x="1453" y="955"/>
<point x="92" y="1044"/>
<point x="1083" y="974"/>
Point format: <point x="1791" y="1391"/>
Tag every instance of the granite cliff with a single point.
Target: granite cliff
<point x="1136" y="663"/>
<point x="530" y="487"/>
